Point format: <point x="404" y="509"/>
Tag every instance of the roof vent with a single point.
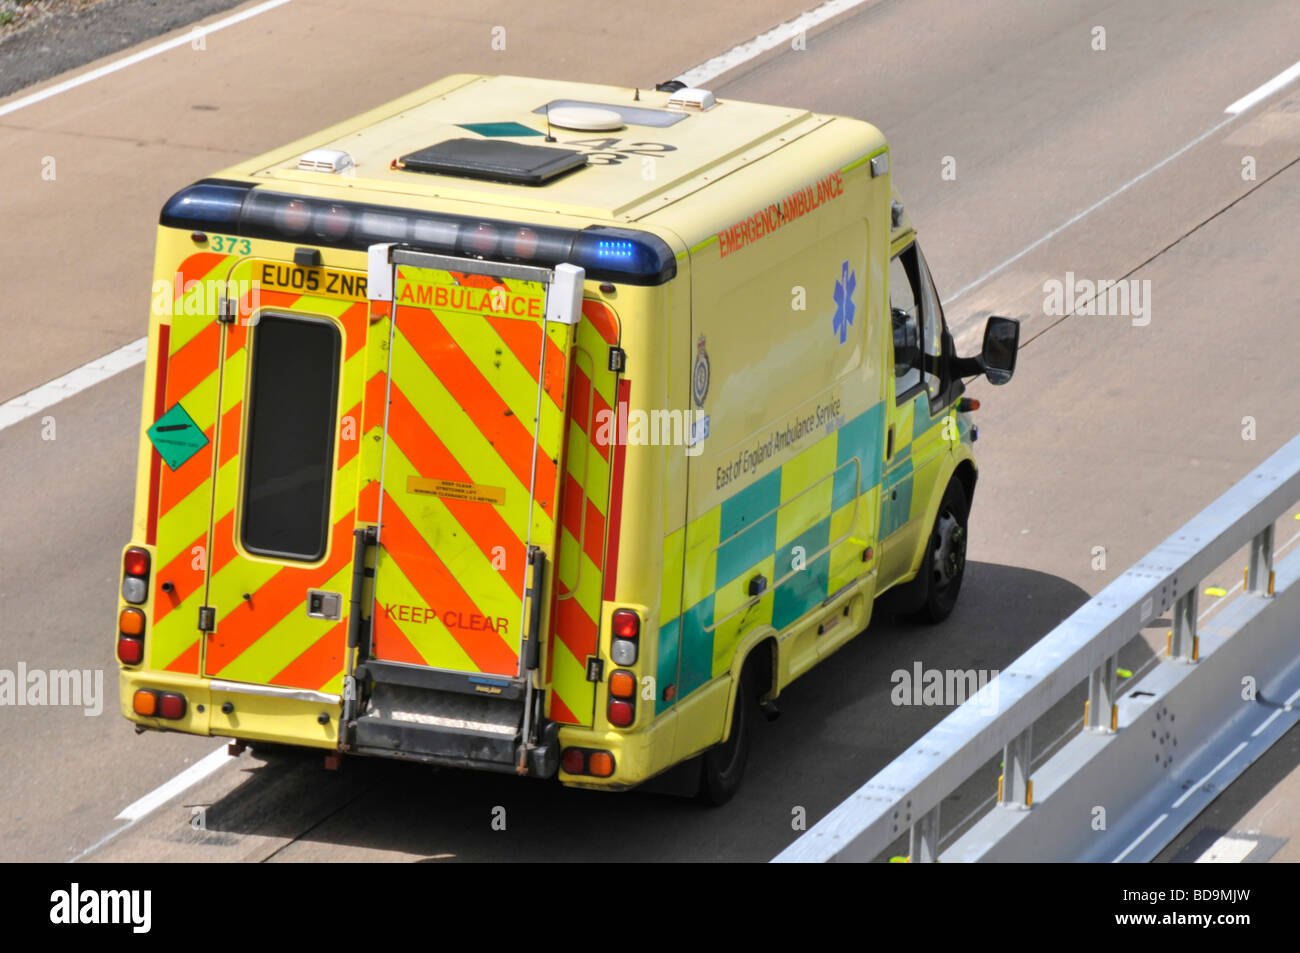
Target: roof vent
<point x="690" y="97"/>
<point x="325" y="160"/>
<point x="584" y="118"/>
<point x="495" y="160"/>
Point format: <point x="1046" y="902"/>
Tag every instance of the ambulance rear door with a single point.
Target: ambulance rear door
<point x="291" y="364"/>
<point x="473" y="454"/>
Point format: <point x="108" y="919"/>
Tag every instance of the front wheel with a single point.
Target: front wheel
<point x="945" y="556"/>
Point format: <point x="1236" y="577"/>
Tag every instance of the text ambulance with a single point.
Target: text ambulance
<point x="538" y="427"/>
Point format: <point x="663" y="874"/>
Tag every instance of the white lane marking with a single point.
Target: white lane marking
<point x="770" y="40"/>
<point x="1141" y="837"/>
<point x="1227" y="850"/>
<point x="1287" y="706"/>
<point x="1241" y="746"/>
<point x="134" y="58"/>
<point x="74" y="382"/>
<point x="1284" y="78"/>
<point x="169" y="789"/>
<point x="160" y="795"/>
<point x="1086" y="212"/>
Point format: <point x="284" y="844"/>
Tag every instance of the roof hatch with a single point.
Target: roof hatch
<point x="494" y="159"/>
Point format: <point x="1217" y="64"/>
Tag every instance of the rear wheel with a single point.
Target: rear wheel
<point x="944" y="564"/>
<point x="723" y="767"/>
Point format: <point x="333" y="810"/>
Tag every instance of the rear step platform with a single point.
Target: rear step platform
<point x="453" y="728"/>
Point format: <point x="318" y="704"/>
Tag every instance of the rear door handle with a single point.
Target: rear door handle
<point x="889" y="444"/>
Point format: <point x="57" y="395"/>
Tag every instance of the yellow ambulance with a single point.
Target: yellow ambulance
<point x="539" y="427"/>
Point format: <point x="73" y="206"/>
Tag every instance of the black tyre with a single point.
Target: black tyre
<point x="723" y="767"/>
<point x="944" y="564"/>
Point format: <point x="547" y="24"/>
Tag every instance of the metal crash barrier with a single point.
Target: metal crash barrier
<point x="1146" y="760"/>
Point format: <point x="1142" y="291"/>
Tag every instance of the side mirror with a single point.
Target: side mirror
<point x="1001" y="344"/>
<point x="997" y="359"/>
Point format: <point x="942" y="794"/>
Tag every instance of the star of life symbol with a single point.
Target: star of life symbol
<point x="844" y="287"/>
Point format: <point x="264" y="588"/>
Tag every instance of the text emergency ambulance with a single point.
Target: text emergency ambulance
<point x="538" y="427"/>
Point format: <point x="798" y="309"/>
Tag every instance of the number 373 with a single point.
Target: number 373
<point x="232" y="246"/>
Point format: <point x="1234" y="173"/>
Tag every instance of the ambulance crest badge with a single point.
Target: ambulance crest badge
<point x="700" y="374"/>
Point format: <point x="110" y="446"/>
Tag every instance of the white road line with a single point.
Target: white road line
<point x="1086" y="212"/>
<point x="1277" y="713"/>
<point x="1140" y="838"/>
<point x="134" y="58"/>
<point x="1284" y="78"/>
<point x="169" y="789"/>
<point x="785" y="33"/>
<point x="1241" y="746"/>
<point x="161" y="795"/>
<point x="74" y="382"/>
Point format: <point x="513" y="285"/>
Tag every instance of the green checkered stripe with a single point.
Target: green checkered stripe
<point x="824" y="494"/>
<point x="788" y="518"/>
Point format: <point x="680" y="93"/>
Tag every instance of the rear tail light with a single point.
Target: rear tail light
<point x="135" y="575"/>
<point x="130" y="651"/>
<point x="171" y="705"/>
<point x="621" y="713"/>
<point x="130" y="636"/>
<point x="625" y="632"/>
<point x="598" y="764"/>
<point x="152" y="704"/>
<point x="574" y="761"/>
<point x="622" y="684"/>
<point x="135" y="562"/>
<point x="131" y="622"/>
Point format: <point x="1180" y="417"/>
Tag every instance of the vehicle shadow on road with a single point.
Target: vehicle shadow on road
<point x="838" y="727"/>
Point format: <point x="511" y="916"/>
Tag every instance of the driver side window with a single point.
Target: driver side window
<point x="905" y="316"/>
<point x="917" y="321"/>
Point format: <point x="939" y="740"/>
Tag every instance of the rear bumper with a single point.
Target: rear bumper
<point x="454" y="747"/>
<point x="228" y="710"/>
<point x="282" y="719"/>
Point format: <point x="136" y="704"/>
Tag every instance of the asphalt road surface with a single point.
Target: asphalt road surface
<point x="1024" y="152"/>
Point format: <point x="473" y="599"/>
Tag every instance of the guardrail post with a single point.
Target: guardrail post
<point x="1259" y="574"/>
<point x="1100" y="712"/>
<point x="1183" y="643"/>
<point x="1015" y="790"/>
<point x="923" y="839"/>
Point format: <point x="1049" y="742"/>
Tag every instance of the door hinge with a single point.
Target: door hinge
<point x="617" y="360"/>
<point x="595" y="668"/>
<point x="207" y="618"/>
<point x="532" y="632"/>
<point x="227" y="308"/>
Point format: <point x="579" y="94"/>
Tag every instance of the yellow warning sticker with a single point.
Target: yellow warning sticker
<point x="456" y="490"/>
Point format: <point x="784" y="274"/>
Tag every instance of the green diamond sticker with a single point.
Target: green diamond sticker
<point x="176" y="436"/>
<point x="498" y="129"/>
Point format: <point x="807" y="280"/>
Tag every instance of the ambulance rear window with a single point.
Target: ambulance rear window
<point x="289" y="453"/>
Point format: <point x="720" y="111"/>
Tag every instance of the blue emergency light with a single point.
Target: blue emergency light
<point x="238" y="208"/>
